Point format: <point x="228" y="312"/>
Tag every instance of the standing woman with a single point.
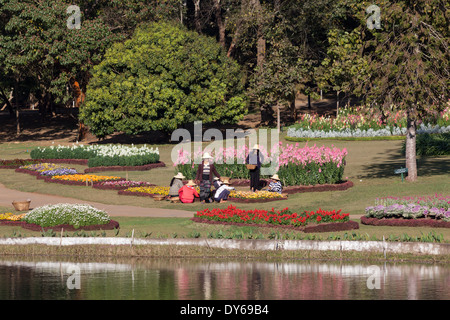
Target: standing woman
<point x="255" y="158"/>
<point x="205" y="173"/>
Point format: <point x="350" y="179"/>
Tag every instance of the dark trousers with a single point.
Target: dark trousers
<point x="223" y="196"/>
<point x="254" y="178"/>
<point x="205" y="189"/>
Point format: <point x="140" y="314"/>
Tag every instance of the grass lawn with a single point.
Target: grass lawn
<point x="370" y="165"/>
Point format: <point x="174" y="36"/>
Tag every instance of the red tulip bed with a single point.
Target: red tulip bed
<point x="307" y="221"/>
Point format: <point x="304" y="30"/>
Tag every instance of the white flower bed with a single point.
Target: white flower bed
<point x="77" y="215"/>
<point x="106" y="150"/>
<point x="357" y="133"/>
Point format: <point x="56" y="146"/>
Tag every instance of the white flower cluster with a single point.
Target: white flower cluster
<point x="123" y="151"/>
<point x="110" y="150"/>
<point x="346" y="133"/>
<point x="76" y="215"/>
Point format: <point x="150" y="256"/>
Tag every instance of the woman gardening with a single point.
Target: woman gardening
<point x="188" y="193"/>
<point x="205" y="172"/>
<point x="275" y="184"/>
<point x="175" y="185"/>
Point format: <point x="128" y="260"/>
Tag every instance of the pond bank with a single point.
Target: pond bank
<point x="222" y="248"/>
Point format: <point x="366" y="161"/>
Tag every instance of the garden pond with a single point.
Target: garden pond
<point x="215" y="279"/>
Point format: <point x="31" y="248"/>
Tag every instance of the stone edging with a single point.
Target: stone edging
<point x="312" y="245"/>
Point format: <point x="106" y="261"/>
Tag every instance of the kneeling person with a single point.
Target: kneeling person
<point x="222" y="193"/>
<point x="275" y="184"/>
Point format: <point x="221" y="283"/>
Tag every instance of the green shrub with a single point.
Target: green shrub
<point x="77" y="215"/>
<point x="436" y="144"/>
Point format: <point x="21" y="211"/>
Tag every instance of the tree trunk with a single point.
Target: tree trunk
<point x="220" y="22"/>
<point x="198" y="26"/>
<point x="7" y="102"/>
<point x="16" y="96"/>
<point x="410" y="152"/>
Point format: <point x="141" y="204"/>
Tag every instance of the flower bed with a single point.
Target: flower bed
<point x="80" y="179"/>
<point x="145" y="191"/>
<point x="282" y="218"/>
<point x="42" y="167"/>
<point x="409" y="211"/>
<point x="120" y="184"/>
<point x="255" y="197"/>
<point x="16" y="163"/>
<point x="8" y="216"/>
<point x="76" y="215"/>
<point x="296" y="166"/>
<point x="100" y="155"/>
<point x="424" y="222"/>
<point x="69" y="217"/>
<point x="365" y="122"/>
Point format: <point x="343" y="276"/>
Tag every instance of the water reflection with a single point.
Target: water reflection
<point x="161" y="279"/>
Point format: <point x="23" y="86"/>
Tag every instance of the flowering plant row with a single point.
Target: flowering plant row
<point x="43" y="167"/>
<point x="407" y="211"/>
<point x="272" y="217"/>
<point x="121" y="184"/>
<point x="100" y="155"/>
<point x="84" y="178"/>
<point x="77" y="215"/>
<point x="365" y="122"/>
<point x="295" y="165"/>
<point x="150" y="190"/>
<point x="58" y="172"/>
<point x="12" y="217"/>
<point x="256" y="195"/>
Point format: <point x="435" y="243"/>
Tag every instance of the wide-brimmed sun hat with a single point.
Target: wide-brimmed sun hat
<point x="256" y="147"/>
<point x="179" y="176"/>
<point x="191" y="183"/>
<point x="226" y="181"/>
<point x="275" y="177"/>
<point x="206" y="155"/>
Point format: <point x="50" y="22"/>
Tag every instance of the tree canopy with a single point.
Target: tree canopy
<point x="163" y="77"/>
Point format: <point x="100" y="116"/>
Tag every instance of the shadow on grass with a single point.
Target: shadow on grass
<point x="426" y="166"/>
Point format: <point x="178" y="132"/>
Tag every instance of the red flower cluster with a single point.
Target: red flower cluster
<point x="281" y="217"/>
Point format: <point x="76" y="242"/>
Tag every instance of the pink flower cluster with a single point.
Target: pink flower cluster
<point x="286" y="154"/>
<point x="302" y="156"/>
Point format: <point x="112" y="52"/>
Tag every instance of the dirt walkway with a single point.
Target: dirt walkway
<point x="7" y="196"/>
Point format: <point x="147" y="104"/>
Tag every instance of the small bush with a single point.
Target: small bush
<point x="76" y="215"/>
<point x="437" y="144"/>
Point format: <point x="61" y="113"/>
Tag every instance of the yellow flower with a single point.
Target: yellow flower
<point x="152" y="189"/>
<point x="84" y="177"/>
<point x="255" y="195"/>
<point x="12" y="217"/>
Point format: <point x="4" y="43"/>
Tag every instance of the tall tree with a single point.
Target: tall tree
<point x="409" y="63"/>
<point x="163" y="77"/>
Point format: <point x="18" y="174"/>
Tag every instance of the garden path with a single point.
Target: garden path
<point x="7" y="196"/>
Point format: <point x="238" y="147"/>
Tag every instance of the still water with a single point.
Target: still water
<point x="181" y="279"/>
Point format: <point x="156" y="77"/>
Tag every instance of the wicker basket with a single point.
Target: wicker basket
<point x="251" y="166"/>
<point x="175" y="200"/>
<point x="158" y="197"/>
<point x="21" y="205"/>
